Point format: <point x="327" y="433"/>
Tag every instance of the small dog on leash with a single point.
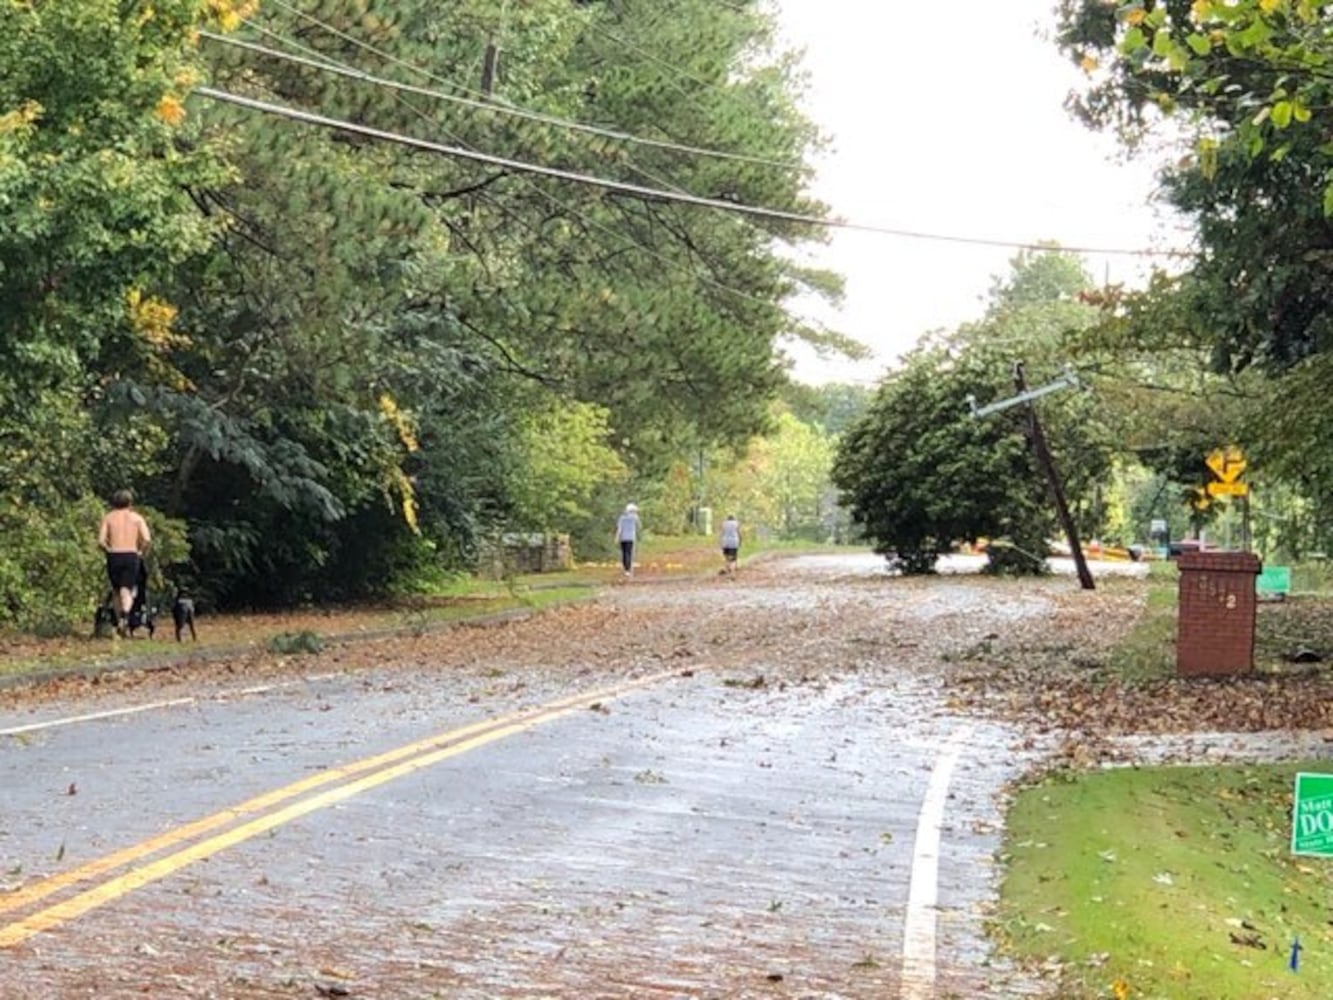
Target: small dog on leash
<point x="182" y="613"/>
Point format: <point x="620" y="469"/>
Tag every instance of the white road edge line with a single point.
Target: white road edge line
<point x="919" y="930"/>
<point x="71" y="720"/>
<point x="153" y="706"/>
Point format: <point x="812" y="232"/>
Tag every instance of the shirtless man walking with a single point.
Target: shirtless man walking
<point x="124" y="537"/>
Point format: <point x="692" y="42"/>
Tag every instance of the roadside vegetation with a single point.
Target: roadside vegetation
<point x="333" y="371"/>
<point x="299" y="630"/>
<point x="337" y="371"/>
<point x="1128" y="880"/>
<point x="1166" y="882"/>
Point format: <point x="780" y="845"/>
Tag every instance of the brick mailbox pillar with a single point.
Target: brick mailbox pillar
<point x="1216" y="628"/>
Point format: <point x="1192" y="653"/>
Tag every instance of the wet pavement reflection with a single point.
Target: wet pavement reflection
<point x="742" y="827"/>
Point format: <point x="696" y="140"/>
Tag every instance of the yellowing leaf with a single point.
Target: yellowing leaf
<point x="1088" y="64"/>
<point x="400" y="421"/>
<point x="1208" y="148"/>
<point x="1268" y="6"/>
<point x="151" y="318"/>
<point x="1135" y="16"/>
<point x="400" y="483"/>
<point x="170" y="110"/>
<point x="229" y="14"/>
<point x="15" y="121"/>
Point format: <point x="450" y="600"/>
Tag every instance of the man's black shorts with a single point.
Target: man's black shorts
<point x="122" y="569"/>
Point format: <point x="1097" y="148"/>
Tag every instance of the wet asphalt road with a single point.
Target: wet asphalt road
<point x="755" y="789"/>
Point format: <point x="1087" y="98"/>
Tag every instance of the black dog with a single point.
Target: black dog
<point x="104" y="619"/>
<point x="182" y="613"/>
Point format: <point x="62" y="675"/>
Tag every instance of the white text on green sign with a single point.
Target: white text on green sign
<point x="1312" y="815"/>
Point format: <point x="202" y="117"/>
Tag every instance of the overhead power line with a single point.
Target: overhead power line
<point x="489" y="98"/>
<point x="656" y="60"/>
<point x="496" y="108"/>
<point x="323" y="60"/>
<point x="550" y="198"/>
<point x="908" y="234"/>
<point x="638" y="190"/>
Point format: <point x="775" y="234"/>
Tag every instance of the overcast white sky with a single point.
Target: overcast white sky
<point x="950" y="120"/>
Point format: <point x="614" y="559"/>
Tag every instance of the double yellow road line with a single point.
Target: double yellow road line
<point x="115" y="875"/>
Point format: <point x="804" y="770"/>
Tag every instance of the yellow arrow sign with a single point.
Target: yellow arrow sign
<point x="1227" y="463"/>
<point x="1228" y="489"/>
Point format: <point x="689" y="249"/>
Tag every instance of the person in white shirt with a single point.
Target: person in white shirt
<point x="627" y="534"/>
<point x="731" y="542"/>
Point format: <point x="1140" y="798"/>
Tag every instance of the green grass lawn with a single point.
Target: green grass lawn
<point x="1173" y="882"/>
<point x="1302" y="621"/>
<point x="1167" y="882"/>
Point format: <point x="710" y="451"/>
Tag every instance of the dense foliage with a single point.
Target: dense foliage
<point x="921" y="474"/>
<point x="1231" y="95"/>
<point x="329" y="365"/>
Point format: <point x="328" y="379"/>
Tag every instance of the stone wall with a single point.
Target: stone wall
<point x="535" y="552"/>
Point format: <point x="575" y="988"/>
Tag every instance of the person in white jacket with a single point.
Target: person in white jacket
<point x="627" y="534"/>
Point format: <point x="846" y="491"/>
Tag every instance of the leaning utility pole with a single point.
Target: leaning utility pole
<point x="1057" y="486"/>
<point x="1043" y="451"/>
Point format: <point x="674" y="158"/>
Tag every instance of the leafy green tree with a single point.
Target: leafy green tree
<point x="94" y="177"/>
<point x="830" y="407"/>
<point x="350" y="270"/>
<point x="335" y="358"/>
<point x="1239" y="80"/>
<point x="565" y="463"/>
<point x="98" y="160"/>
<point x="919" y="473"/>
<point x="782" y="481"/>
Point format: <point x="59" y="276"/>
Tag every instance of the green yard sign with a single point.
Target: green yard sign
<point x="1312" y="815"/>
<point x="1274" y="580"/>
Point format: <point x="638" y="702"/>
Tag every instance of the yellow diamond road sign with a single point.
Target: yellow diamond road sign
<point x="1227" y="463"/>
<point x="1228" y="489"/>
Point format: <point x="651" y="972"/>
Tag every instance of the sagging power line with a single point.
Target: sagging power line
<point x="909" y="234"/>
<point x="493" y="107"/>
<point x="641" y="191"/>
<point x="705" y="279"/>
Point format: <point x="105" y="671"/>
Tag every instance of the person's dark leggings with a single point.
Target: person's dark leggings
<point x="627" y="555"/>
